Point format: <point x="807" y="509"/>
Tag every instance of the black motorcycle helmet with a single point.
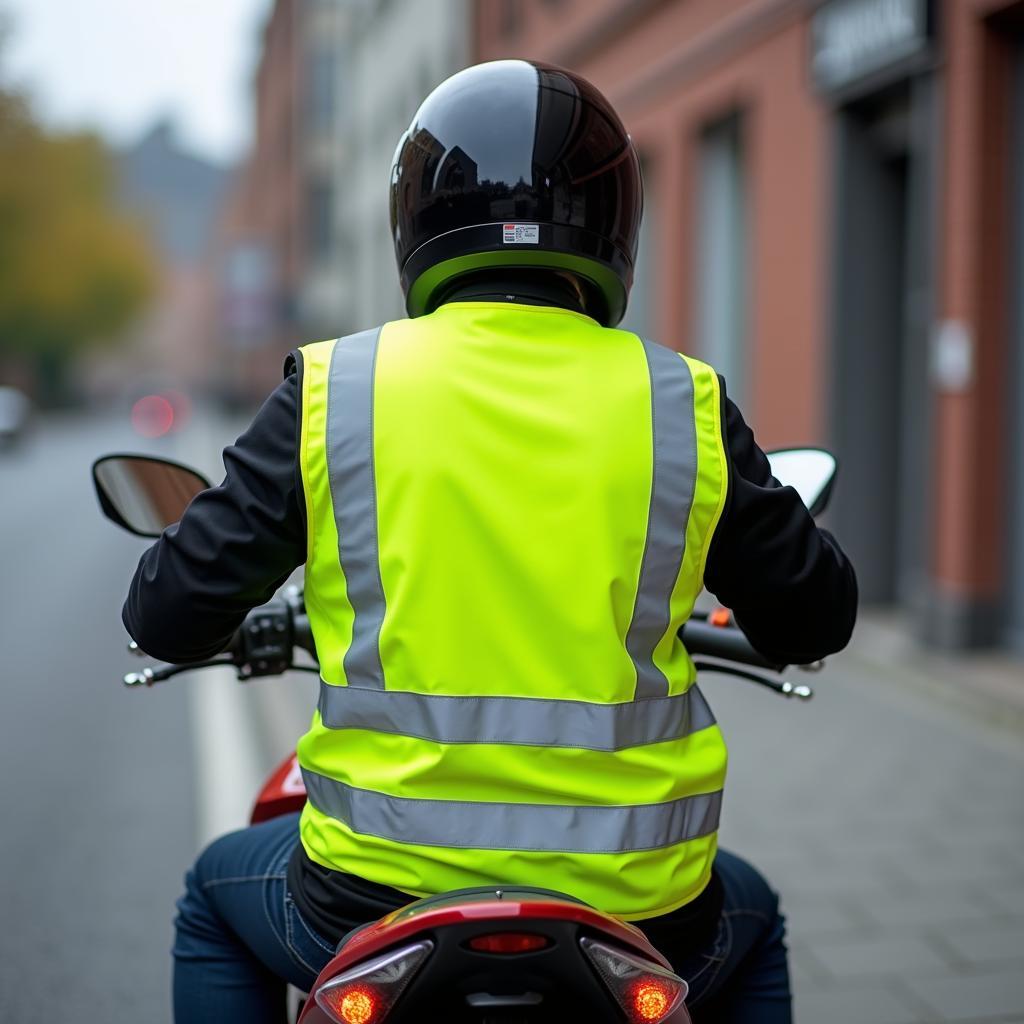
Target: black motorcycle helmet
<point x="515" y="164"/>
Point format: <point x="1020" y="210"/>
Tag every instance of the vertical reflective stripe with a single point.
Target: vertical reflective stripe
<point x="354" y="496"/>
<point x="674" y="477"/>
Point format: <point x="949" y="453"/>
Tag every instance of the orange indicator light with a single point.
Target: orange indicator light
<point x="356" y="1005"/>
<point x="651" y="1000"/>
<point x="720" y="617"/>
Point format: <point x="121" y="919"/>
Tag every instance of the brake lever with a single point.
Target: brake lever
<point x="780" y="686"/>
<point x="148" y="676"/>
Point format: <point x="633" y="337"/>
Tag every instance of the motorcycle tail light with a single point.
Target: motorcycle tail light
<point x="508" y="942"/>
<point x="366" y="993"/>
<point x="647" y="993"/>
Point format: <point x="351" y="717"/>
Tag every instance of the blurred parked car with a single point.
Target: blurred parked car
<point x="15" y="410"/>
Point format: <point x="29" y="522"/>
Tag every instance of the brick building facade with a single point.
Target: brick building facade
<point x="275" y="259"/>
<point x="833" y="221"/>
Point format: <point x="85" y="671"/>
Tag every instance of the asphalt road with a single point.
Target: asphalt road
<point x="106" y="793"/>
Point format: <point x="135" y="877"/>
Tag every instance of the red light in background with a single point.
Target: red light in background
<point x="651" y="1000"/>
<point x="181" y="404"/>
<point x="152" y="416"/>
<point x="508" y="942"/>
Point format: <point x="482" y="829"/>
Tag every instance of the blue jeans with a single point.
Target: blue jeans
<point x="239" y="938"/>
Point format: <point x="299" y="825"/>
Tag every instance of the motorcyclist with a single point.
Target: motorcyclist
<point x="506" y="509"/>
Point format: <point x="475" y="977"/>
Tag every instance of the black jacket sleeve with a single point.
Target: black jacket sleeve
<point x="234" y="547"/>
<point x="789" y="585"/>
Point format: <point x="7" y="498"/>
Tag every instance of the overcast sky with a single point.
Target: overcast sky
<point x="117" y="65"/>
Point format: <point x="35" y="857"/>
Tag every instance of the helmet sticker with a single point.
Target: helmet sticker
<point x="520" y="234"/>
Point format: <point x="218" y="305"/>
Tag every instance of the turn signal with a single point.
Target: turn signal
<point x="508" y="942"/>
<point x="366" y="993"/>
<point x="647" y="993"/>
<point x="720" y="617"/>
<point x="357" y="1005"/>
<point x="652" y="998"/>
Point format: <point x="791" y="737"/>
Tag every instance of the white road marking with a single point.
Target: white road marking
<point x="227" y="761"/>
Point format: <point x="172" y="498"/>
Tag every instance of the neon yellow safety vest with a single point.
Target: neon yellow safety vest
<point x="509" y="509"/>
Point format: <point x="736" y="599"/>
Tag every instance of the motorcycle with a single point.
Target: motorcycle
<point x="490" y="955"/>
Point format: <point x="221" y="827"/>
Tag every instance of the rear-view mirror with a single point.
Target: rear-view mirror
<point x="145" y="495"/>
<point x="809" y="471"/>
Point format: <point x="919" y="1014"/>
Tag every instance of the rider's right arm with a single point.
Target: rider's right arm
<point x="790" y="586"/>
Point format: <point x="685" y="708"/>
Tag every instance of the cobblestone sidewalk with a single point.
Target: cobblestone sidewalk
<point x="893" y="825"/>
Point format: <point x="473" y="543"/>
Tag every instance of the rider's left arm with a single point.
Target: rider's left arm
<point x="234" y="547"/>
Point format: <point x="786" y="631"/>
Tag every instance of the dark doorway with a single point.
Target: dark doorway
<point x="879" y="340"/>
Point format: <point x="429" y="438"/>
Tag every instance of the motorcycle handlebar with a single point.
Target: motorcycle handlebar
<point x="726" y="642"/>
<point x="701" y="639"/>
<point x="266" y="641"/>
<point x="302" y="632"/>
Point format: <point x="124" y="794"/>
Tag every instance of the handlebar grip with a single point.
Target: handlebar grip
<point x="302" y="632"/>
<point x="726" y="642"/>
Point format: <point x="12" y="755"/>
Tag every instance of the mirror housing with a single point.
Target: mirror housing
<point x="811" y="472"/>
<point x="142" y="494"/>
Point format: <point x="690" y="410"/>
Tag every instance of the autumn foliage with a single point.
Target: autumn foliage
<point x="74" y="271"/>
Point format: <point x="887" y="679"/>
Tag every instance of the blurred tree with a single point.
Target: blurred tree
<point x="74" y="271"/>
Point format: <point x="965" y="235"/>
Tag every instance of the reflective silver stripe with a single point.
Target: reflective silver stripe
<point x="478" y="825"/>
<point x="673" y="481"/>
<point x="528" y="721"/>
<point x="354" y="495"/>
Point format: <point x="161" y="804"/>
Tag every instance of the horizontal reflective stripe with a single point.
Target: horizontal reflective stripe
<point x="527" y="721"/>
<point x="476" y="825"/>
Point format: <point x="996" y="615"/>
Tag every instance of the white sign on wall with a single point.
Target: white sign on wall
<point x="855" y="38"/>
<point x="952" y="357"/>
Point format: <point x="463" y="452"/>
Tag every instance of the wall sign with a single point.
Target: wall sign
<point x="853" y="39"/>
<point x="952" y="362"/>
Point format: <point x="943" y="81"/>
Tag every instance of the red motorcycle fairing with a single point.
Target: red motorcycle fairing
<point x="283" y="793"/>
<point x="458" y="968"/>
<point x="465" y="906"/>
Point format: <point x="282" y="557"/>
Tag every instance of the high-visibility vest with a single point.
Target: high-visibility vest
<point x="509" y="509"/>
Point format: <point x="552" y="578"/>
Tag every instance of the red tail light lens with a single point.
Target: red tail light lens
<point x="366" y="993"/>
<point x="647" y="993"/>
<point x="508" y="942"/>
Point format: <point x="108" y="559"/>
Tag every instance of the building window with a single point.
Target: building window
<point x="319" y="214"/>
<point x="321" y="86"/>
<point x="721" y="257"/>
<point x="511" y="18"/>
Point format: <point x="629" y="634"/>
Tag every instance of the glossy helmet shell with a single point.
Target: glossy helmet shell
<point x="512" y="144"/>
